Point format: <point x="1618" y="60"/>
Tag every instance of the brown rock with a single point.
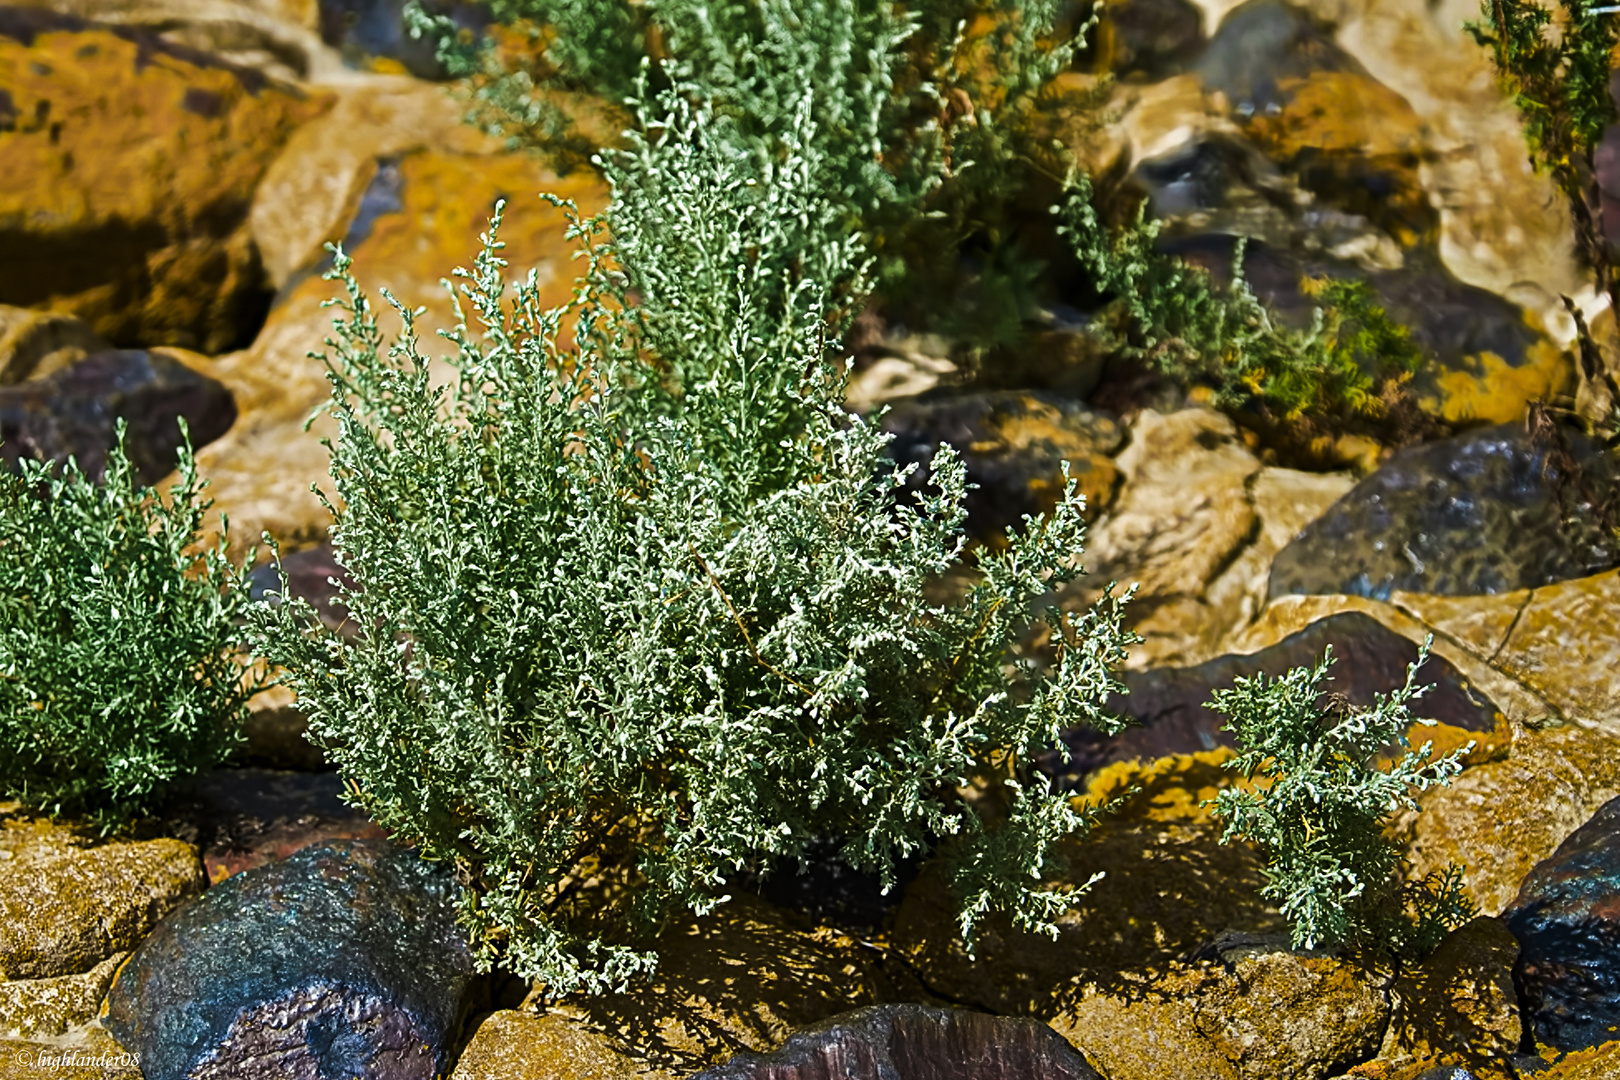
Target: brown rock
<point x="1565" y="645"/>
<point x="85" y="1053"/>
<point x="47" y="1007"/>
<point x="66" y="904"/>
<point x="125" y="186"/>
<point x="1598" y="1063"/>
<point x="517" y="1045"/>
<point x="1458" y="1009"/>
<point x="1263" y="1015"/>
<point x="33" y="344"/>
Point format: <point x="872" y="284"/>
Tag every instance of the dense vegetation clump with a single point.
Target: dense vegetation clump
<point x="119" y="673"/>
<point x="641" y="608"/>
<point x="1317" y="802"/>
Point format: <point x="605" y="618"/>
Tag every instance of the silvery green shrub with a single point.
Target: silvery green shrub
<point x="1317" y="804"/>
<point x="641" y="607"/>
<point x="119" y="639"/>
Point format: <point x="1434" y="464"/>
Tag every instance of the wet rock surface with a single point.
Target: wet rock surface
<point x="915" y="1042"/>
<point x="73" y="412"/>
<point x="1565" y="919"/>
<point x="1487" y="512"/>
<point x="342" y="960"/>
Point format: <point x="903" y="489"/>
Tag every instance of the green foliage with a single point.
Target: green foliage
<point x="118" y="666"/>
<point x="1174" y="317"/>
<point x="1317" y="803"/>
<point x="650" y="632"/>
<point x="920" y="119"/>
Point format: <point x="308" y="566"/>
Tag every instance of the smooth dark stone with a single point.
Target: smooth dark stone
<point x="1567" y="920"/>
<point x="915" y="1042"/>
<point x="1170" y="703"/>
<point x="72" y="412"/>
<point x="240" y="818"/>
<point x="342" y="960"/>
<point x="1483" y="513"/>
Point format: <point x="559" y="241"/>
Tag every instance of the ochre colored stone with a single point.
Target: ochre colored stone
<point x="1457" y="1009"/>
<point x="30" y="1008"/>
<point x="1270" y="1015"/>
<point x="1565" y="645"/>
<point x="1499" y="819"/>
<point x="745" y="976"/>
<point x="85" y="1053"/>
<point x="66" y="904"/>
<point x="517" y="1045"/>
<point x="126" y="182"/>
<point x="34" y="344"/>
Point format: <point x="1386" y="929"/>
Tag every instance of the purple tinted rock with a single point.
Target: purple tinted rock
<point x="1482" y="513"/>
<point x="308" y="577"/>
<point x="71" y="412"/>
<point x="1169" y="703"/>
<point x="1567" y="920"/>
<point x="343" y="960"/>
<point x="915" y="1042"/>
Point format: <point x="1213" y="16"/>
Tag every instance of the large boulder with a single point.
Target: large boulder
<point x="129" y="170"/>
<point x="342" y="960"/>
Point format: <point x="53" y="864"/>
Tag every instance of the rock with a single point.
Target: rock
<point x="1499" y="819"/>
<point x="368" y="31"/>
<point x="30" y="1008"/>
<point x="277" y="38"/>
<point x="126" y="183"/>
<point x="743" y="977"/>
<point x="1170" y="706"/>
<point x="86" y="1053"/>
<point x="1598" y="1063"/>
<point x="901" y="367"/>
<point x="343" y="959"/>
<point x="915" y="1042"/>
<point x="1490" y="511"/>
<point x="1262" y="49"/>
<point x="1194" y="527"/>
<point x="1456" y="1012"/>
<point x="248" y="817"/>
<point x="1170" y="885"/>
<point x="1149" y="40"/>
<point x="34" y="344"/>
<point x="1013" y="443"/>
<point x="71" y="413"/>
<point x="262" y="470"/>
<point x="310" y="574"/>
<point x="516" y="1045"/>
<point x="1563" y="918"/>
<point x="67" y="904"/>
<point x="1259" y="1015"/>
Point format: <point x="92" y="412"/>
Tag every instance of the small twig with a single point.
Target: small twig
<point x="764" y="663"/>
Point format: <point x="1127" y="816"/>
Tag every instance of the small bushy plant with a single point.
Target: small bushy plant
<point x="119" y="666"/>
<point x="1175" y="318"/>
<point x="639" y="604"/>
<point x="1316" y="801"/>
